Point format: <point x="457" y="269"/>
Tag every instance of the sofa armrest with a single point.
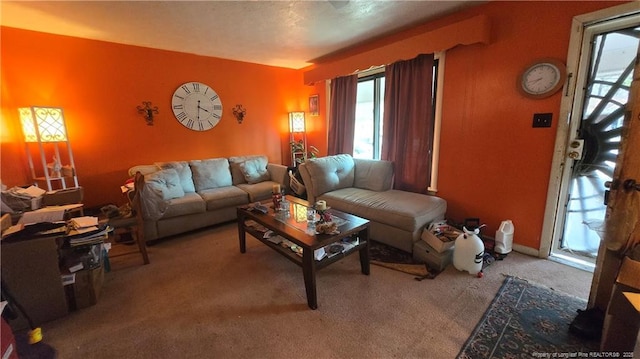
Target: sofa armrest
<point x="308" y="184"/>
<point x="278" y="174"/>
<point x="374" y="175"/>
<point x="144" y="169"/>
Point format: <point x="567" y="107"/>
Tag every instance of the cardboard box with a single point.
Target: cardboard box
<point x="422" y="252"/>
<point x="86" y="289"/>
<point x="622" y="320"/>
<point x="30" y="273"/>
<point x="442" y="238"/>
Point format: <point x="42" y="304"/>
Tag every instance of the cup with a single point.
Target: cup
<point x="284" y="206"/>
<point x="311" y="216"/>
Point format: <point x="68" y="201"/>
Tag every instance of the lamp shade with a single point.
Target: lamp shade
<point x="296" y="122"/>
<point x="44" y="124"/>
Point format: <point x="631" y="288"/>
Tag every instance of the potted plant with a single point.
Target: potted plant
<point x="298" y="147"/>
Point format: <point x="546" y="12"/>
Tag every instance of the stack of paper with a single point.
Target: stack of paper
<point x="84" y="222"/>
<point x="84" y="236"/>
<point x="31" y="191"/>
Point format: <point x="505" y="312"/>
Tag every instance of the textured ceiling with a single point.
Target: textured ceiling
<point x="278" y="33"/>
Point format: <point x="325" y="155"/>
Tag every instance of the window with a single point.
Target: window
<point x="370" y="112"/>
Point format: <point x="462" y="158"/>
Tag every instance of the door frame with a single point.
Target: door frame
<point x="561" y="165"/>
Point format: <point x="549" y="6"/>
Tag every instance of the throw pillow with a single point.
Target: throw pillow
<point x="236" y="172"/>
<point x="184" y="172"/>
<point x="254" y="171"/>
<point x="165" y="184"/>
<point x="210" y="173"/>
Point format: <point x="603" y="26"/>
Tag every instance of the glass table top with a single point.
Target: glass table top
<point x="296" y="217"/>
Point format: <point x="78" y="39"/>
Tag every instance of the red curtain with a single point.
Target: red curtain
<point x="408" y="122"/>
<point x="342" y="118"/>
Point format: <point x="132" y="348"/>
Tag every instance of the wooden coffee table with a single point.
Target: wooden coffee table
<point x="294" y="229"/>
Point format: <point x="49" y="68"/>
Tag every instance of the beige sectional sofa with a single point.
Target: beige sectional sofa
<point x="181" y="196"/>
<point x="364" y="188"/>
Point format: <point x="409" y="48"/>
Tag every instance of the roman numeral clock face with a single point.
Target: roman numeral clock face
<point x="196" y="106"/>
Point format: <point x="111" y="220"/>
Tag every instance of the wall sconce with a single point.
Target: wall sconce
<point x="147" y="111"/>
<point x="239" y="113"/>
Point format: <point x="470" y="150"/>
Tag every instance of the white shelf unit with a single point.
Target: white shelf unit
<point x="45" y="128"/>
<point x="43" y="174"/>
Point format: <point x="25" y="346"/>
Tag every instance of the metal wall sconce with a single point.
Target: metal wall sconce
<point x="239" y="113"/>
<point x="147" y="111"/>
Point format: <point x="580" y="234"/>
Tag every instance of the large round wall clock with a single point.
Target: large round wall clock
<point x="542" y="78"/>
<point x="196" y="106"/>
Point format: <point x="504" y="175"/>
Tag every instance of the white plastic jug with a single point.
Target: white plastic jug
<point x="504" y="237"/>
<point x="468" y="252"/>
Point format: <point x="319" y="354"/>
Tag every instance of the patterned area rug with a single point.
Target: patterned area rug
<point x="386" y="256"/>
<point x="526" y="320"/>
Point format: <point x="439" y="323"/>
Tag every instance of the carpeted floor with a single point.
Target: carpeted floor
<point x="527" y="320"/>
<point x="201" y="298"/>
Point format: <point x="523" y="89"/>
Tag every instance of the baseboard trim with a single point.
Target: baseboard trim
<point x="527" y="250"/>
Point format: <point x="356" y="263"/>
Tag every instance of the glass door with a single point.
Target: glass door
<point x="612" y="51"/>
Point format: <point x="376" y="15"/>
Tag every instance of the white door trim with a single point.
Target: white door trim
<point x="556" y="193"/>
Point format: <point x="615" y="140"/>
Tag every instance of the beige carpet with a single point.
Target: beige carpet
<point x="201" y="298"/>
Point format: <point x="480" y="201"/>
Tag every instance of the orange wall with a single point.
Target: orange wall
<point x="493" y="165"/>
<point x="99" y="85"/>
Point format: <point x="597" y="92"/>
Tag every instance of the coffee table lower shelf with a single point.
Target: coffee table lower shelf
<point x="308" y="244"/>
<point x="295" y="258"/>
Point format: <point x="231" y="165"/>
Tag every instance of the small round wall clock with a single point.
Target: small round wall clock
<point x="196" y="106"/>
<point x="542" y="78"/>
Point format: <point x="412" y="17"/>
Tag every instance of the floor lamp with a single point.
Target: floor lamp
<point x="298" y="146"/>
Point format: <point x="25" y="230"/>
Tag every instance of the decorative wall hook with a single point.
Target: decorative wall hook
<point x="147" y="111"/>
<point x="239" y="113"/>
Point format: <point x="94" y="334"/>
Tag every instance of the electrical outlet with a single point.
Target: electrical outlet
<point x="542" y="119"/>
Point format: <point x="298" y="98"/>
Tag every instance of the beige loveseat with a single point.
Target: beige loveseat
<point x="185" y="195"/>
<point x="364" y="188"/>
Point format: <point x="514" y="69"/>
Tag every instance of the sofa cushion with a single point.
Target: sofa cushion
<point x="190" y="203"/>
<point x="184" y="172"/>
<point x="375" y="175"/>
<point x="255" y="170"/>
<point x="330" y="173"/>
<point x="222" y="197"/>
<point x="165" y="184"/>
<point x="259" y="191"/>
<point x="210" y="173"/>
<point x="236" y="172"/>
<point x="405" y="210"/>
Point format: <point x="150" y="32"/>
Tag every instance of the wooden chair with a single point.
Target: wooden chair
<point x="133" y="224"/>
